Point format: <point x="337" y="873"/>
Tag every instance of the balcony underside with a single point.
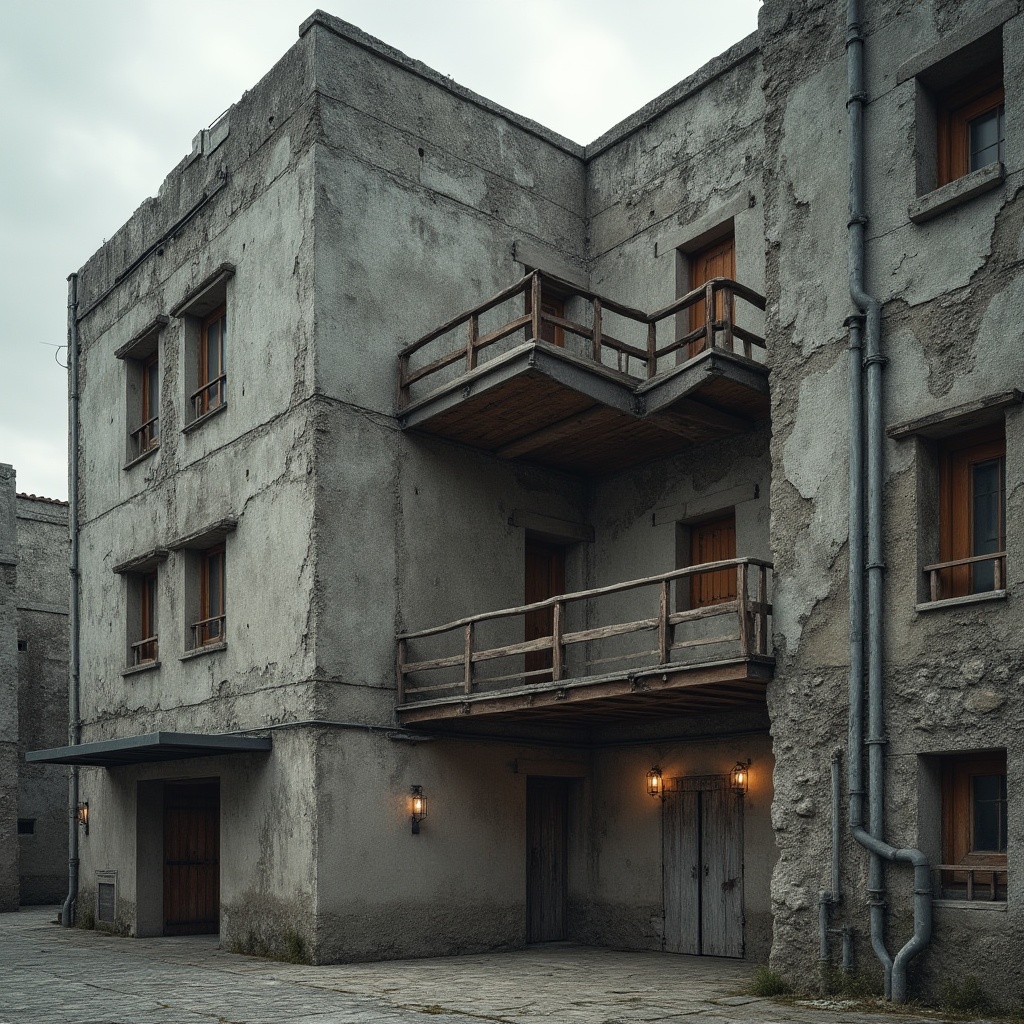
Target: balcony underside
<point x="667" y="691"/>
<point x="543" y="404"/>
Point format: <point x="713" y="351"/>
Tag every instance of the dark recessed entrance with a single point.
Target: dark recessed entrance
<point x="191" y="858"/>
<point x="547" y="858"/>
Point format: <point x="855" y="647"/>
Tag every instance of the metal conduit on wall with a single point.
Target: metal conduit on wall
<point x="867" y="326"/>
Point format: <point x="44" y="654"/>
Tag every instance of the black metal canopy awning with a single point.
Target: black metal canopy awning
<point x="154" y="746"/>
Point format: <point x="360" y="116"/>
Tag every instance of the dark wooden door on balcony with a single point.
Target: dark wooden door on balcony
<point x="547" y="858"/>
<point x="717" y="260"/>
<point x="545" y="577"/>
<point x="703" y="851"/>
<point x="713" y="541"/>
<point x="191" y="858"/>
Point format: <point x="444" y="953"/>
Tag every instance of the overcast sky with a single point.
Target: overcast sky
<point x="101" y="98"/>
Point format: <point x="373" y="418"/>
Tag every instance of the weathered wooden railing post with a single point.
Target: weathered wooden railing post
<point x="664" y="637"/>
<point x="467" y="659"/>
<point x="598" y="328"/>
<point x="997" y="573"/>
<point x="709" y="315"/>
<point x="403" y="373"/>
<point x="728" y="312"/>
<point x="762" y="618"/>
<point x="557" y="647"/>
<point x="535" y="309"/>
<point x="400" y="671"/>
<point x="743" y="602"/>
<point x="652" y="349"/>
<point x="474" y="333"/>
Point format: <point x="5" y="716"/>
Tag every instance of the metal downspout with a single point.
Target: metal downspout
<point x="67" y="911"/>
<point x="870" y="319"/>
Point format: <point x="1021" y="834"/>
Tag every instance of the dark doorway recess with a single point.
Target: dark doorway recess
<point x="191" y="858"/>
<point x="547" y="858"/>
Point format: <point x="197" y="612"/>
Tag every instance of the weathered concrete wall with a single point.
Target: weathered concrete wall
<point x="8" y="693"/>
<point x="43" y="549"/>
<point x="951" y="288"/>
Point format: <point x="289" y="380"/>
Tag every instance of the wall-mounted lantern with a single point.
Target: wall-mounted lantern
<point x="739" y="777"/>
<point x="82" y="814"/>
<point x="418" y="802"/>
<point x="655" y="783"/>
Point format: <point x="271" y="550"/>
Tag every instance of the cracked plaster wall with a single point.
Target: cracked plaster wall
<point x="951" y="292"/>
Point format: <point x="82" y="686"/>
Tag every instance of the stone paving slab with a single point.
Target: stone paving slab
<point x="66" y="976"/>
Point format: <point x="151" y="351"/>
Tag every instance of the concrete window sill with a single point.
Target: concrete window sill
<point x="956" y="602"/>
<point x="997" y="905"/>
<point x="200" y="651"/>
<point x="146" y="666"/>
<point x="205" y="418"/>
<point x="149" y="453"/>
<point x="956" y="193"/>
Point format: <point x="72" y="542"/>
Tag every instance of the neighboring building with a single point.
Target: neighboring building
<point x="270" y="545"/>
<point x="33" y="695"/>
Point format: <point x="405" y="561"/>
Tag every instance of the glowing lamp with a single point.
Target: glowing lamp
<point x="655" y="783"/>
<point x="739" y="777"/>
<point x="418" y="803"/>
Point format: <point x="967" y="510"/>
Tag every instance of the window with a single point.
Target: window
<point x="212" y="379"/>
<point x="141" y="356"/>
<point x="147" y="434"/>
<point x="146" y="648"/>
<point x="22" y="645"/>
<point x="210" y="627"/>
<point x="972" y="515"/>
<point x="203" y="313"/>
<point x="26" y="826"/>
<point x="971" y="128"/>
<point x="974" y="829"/>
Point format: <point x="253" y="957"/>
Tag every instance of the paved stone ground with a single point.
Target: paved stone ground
<point x="65" y="976"/>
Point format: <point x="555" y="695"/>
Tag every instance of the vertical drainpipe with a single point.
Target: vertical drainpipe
<point x="67" y="912"/>
<point x="868" y="323"/>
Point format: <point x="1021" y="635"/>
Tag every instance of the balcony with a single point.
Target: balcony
<point x="548" y="373"/>
<point x="609" y="653"/>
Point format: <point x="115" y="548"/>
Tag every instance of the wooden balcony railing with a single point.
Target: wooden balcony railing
<point x="958" y="577"/>
<point x="146" y="436"/>
<point x="719" y="329"/>
<point x="986" y="882"/>
<point x="145" y="650"/>
<point x="208" y="397"/>
<point x="208" y="631"/>
<point x="747" y="632"/>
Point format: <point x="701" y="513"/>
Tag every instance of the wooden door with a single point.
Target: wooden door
<point x="703" y="871"/>
<point x="722" y="873"/>
<point x="717" y="260"/>
<point x="547" y="858"/>
<point x="682" y="872"/>
<point x="713" y="541"/>
<point x="544" y="578"/>
<point x="191" y="858"/>
<point x="552" y="304"/>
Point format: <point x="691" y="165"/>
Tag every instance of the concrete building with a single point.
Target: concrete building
<point x="33" y="695"/>
<point x="308" y="606"/>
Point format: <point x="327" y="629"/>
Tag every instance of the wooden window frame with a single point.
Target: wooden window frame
<point x="202" y="399"/>
<point x="957" y="110"/>
<point x="146" y="649"/>
<point x="958" y="807"/>
<point x="956" y="502"/>
<point x="210" y="617"/>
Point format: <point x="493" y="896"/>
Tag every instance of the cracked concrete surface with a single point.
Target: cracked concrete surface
<point x="79" y="977"/>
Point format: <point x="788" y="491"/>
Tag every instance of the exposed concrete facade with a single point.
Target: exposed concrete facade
<point x="359" y="201"/>
<point x="33" y="695"/>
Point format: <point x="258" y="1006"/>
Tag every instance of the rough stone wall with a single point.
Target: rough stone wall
<point x="951" y="290"/>
<point x="9" y="865"/>
<point x="43" y="550"/>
